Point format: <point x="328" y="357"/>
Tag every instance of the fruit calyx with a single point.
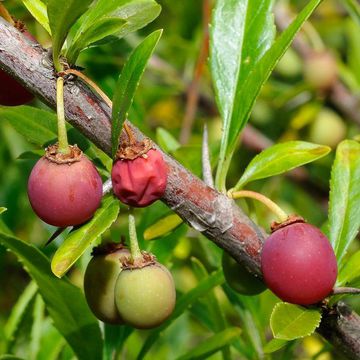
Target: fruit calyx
<point x="140" y="262"/>
<point x="107" y="248"/>
<point x="53" y="155"/>
<point x="130" y="148"/>
<point x="292" y="219"/>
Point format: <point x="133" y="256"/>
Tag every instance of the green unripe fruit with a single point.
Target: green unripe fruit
<point x="145" y="297"/>
<point x="327" y="129"/>
<point x="320" y="70"/>
<point x="239" y="278"/>
<point x="99" y="283"/>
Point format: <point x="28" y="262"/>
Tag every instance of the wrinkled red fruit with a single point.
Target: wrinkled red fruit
<point x="64" y="194"/>
<point x="12" y="93"/>
<point x="141" y="181"/>
<point x="299" y="264"/>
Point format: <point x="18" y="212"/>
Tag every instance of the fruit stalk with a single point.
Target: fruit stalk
<point x="62" y="136"/>
<point x="134" y="245"/>
<point x="276" y="209"/>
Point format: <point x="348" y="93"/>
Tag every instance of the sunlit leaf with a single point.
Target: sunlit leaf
<point x="162" y="227"/>
<point x="37" y="9"/>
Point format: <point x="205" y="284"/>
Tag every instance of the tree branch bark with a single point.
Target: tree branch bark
<point x="203" y="208"/>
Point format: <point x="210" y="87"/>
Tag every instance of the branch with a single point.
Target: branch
<point x="205" y="209"/>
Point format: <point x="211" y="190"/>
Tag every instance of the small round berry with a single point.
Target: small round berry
<point x="65" y="194"/>
<point x="141" y="181"/>
<point x="145" y="297"/>
<point x="299" y="264"/>
<point x="239" y="278"/>
<point x="99" y="283"/>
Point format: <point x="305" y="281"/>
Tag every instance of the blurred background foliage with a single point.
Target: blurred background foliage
<point x="288" y="108"/>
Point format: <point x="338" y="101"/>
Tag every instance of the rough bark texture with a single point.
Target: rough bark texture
<point x="206" y="210"/>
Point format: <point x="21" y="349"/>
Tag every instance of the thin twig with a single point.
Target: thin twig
<point x="205" y="160"/>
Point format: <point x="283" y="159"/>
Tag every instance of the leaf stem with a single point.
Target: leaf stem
<point x="276" y="209"/>
<point x="62" y="136"/>
<point x="90" y="83"/>
<point x="134" y="245"/>
<point x="345" y="290"/>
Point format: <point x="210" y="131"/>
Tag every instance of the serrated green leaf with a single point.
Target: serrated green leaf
<point x="274" y="345"/>
<point x="37" y="9"/>
<point x="212" y="345"/>
<point x="350" y="271"/>
<point x="36" y="125"/>
<point x="166" y="141"/>
<point x="62" y="15"/>
<point x="127" y="84"/>
<point x="280" y="158"/>
<point x="344" y="209"/>
<point x="214" y="279"/>
<point x="64" y="301"/>
<point x="289" y="321"/>
<point x="110" y="19"/>
<point x="79" y="240"/>
<point x="162" y="227"/>
<point x="248" y="90"/>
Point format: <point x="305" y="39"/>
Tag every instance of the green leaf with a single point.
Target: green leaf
<point x="248" y="90"/>
<point x="36" y="125"/>
<point x="344" y="209"/>
<point x="62" y="15"/>
<point x="215" y="279"/>
<point x="65" y="302"/>
<point x="79" y="240"/>
<point x="280" y="158"/>
<point x="37" y="9"/>
<point x="36" y="330"/>
<point x="18" y="311"/>
<point x="2" y="209"/>
<point x="289" y="321"/>
<point x="31" y="155"/>
<point x="10" y="357"/>
<point x="212" y="345"/>
<point x="109" y="19"/>
<point x="241" y="32"/>
<point x="162" y="227"/>
<point x="353" y="8"/>
<point x="274" y="345"/>
<point x="127" y="84"/>
<point x="350" y="271"/>
<point x="166" y="141"/>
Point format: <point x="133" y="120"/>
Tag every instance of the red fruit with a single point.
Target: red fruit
<point x="141" y="181"/>
<point x="12" y="93"/>
<point x="65" y="194"/>
<point x="299" y="264"/>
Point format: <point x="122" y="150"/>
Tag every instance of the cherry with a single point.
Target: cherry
<point x="145" y="297"/>
<point x="298" y="263"/>
<point x="64" y="191"/>
<point x="140" y="181"/>
<point x="99" y="282"/>
<point x="239" y="278"/>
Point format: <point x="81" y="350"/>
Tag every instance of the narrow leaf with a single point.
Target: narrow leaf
<point x="109" y="19"/>
<point x="289" y="321"/>
<point x="65" y="302"/>
<point x="280" y="158"/>
<point x="2" y="209"/>
<point x="215" y="279"/>
<point x="344" y="209"/>
<point x="36" y="125"/>
<point x="353" y="8"/>
<point x="162" y="227"/>
<point x="62" y="15"/>
<point x="36" y="330"/>
<point x="274" y="345"/>
<point x="350" y="271"/>
<point x="166" y="140"/>
<point x="212" y="345"/>
<point x="127" y="84"/>
<point x="37" y="9"/>
<point x="79" y="240"/>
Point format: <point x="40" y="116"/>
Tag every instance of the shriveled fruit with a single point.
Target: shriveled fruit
<point x="64" y="192"/>
<point x="239" y="278"/>
<point x="145" y="297"/>
<point x="299" y="264"/>
<point x="99" y="282"/>
<point x="141" y="181"/>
